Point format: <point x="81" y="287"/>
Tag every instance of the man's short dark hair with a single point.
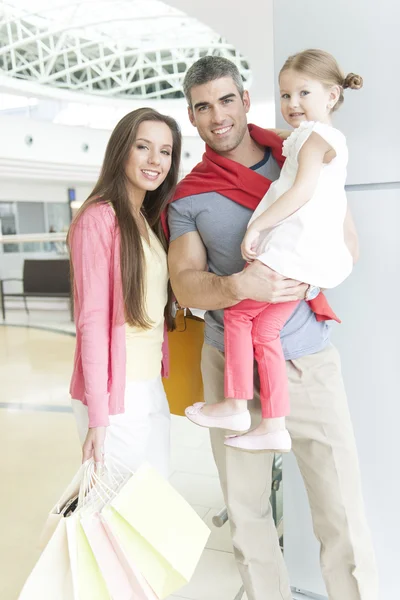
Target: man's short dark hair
<point x="208" y="69"/>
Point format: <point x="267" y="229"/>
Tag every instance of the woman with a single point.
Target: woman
<point x="122" y="297"/>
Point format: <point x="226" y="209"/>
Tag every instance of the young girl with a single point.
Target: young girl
<point x="302" y="230"/>
<point x="121" y="295"/>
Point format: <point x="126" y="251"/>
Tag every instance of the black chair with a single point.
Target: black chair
<point x="42" y="278"/>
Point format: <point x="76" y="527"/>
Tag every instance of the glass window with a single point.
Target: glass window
<point x="58" y="220"/>
<point x="8" y="224"/>
<point x="58" y="216"/>
<point x="31" y="219"/>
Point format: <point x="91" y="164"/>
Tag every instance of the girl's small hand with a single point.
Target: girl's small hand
<point x="249" y="244"/>
<point x="93" y="445"/>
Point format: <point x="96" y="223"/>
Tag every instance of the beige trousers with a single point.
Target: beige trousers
<point x="324" y="446"/>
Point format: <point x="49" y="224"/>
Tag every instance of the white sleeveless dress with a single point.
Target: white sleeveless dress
<point x="309" y="245"/>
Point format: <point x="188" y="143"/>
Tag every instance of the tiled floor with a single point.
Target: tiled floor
<point x="39" y="452"/>
<point x="52" y="317"/>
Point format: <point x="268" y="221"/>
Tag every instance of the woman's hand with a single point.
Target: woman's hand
<point x="93" y="446"/>
<point x="249" y="244"/>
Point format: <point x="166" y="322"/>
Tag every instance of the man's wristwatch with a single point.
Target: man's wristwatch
<point x="311" y="292"/>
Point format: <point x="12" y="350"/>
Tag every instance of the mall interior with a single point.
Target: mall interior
<point x="69" y="70"/>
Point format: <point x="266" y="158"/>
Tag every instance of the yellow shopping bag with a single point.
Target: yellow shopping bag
<point x="157" y="529"/>
<point x="184" y="386"/>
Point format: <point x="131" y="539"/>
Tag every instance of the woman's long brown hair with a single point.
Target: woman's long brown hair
<point x="112" y="187"/>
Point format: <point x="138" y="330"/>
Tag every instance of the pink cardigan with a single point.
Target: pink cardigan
<point x="98" y="378"/>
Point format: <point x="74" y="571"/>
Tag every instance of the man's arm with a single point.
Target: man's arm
<point x="194" y="287"/>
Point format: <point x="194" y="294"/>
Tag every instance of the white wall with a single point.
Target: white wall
<point x="20" y="190"/>
<point x="56" y="153"/>
<point x="363" y="35"/>
<point x="63" y="144"/>
<point x="368" y="343"/>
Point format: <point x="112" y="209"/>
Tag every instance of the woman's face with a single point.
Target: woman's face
<point x="150" y="157"/>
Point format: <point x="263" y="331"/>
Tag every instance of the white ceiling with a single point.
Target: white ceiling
<point x="111" y="48"/>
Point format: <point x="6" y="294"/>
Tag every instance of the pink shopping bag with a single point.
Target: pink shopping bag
<point x="115" y="576"/>
<point x="141" y="589"/>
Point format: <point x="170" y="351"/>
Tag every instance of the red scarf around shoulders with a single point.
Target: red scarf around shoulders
<point x="240" y="184"/>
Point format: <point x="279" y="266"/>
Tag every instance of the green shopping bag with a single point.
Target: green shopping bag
<point x="87" y="580"/>
<point x="157" y="530"/>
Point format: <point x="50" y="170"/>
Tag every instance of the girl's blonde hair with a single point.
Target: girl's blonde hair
<point x="323" y="67"/>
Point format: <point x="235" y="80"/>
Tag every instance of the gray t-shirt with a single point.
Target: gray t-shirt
<point x="222" y="224"/>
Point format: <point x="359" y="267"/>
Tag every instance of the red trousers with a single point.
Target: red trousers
<point x="252" y="330"/>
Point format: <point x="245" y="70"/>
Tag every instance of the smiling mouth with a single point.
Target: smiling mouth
<point x="296" y="114"/>
<point x="150" y="174"/>
<point x="222" y="130"/>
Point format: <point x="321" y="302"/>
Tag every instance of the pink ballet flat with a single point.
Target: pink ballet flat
<point x="276" y="441"/>
<point x="239" y="422"/>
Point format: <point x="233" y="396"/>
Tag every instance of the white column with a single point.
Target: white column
<point x="363" y="36"/>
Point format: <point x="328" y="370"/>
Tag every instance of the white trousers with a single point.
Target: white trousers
<point x="142" y="432"/>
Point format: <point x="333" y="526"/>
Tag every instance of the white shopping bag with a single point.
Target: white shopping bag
<point x="51" y="577"/>
<point x="68" y="496"/>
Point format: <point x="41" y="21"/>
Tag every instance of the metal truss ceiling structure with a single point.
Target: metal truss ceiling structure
<point x="112" y="48"/>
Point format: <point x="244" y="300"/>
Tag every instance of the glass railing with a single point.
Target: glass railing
<point x="34" y="243"/>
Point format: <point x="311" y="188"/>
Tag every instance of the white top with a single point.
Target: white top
<point x="309" y="245"/>
<point x="144" y="346"/>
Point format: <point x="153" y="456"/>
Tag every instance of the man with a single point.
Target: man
<point x="206" y="268"/>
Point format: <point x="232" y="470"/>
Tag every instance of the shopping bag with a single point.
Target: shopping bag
<point x="67" y="500"/>
<point x="87" y="580"/>
<point x="127" y="545"/>
<point x="184" y="386"/>
<point x="157" y="529"/>
<point x="103" y="545"/>
<point x="51" y="577"/>
<point x="114" y="574"/>
<point x="97" y="573"/>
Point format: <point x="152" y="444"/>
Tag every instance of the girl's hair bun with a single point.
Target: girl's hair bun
<point x="353" y="81"/>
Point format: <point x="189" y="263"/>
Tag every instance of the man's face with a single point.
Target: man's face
<point x="219" y="114"/>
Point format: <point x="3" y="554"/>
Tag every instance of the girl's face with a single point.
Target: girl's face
<point x="305" y="99"/>
<point x="150" y="157"/>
